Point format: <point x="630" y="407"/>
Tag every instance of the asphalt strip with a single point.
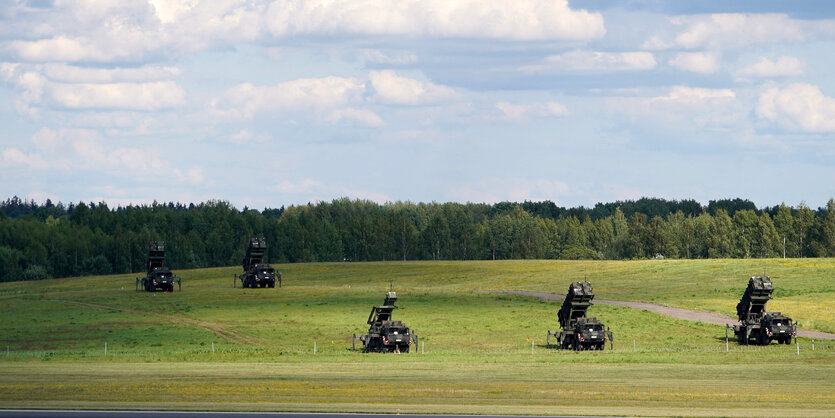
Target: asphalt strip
<point x="188" y="414"/>
<point x="688" y="314"/>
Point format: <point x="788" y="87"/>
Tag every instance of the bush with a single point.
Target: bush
<point x="34" y="272"/>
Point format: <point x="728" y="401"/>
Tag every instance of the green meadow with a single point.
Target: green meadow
<point x="214" y="347"/>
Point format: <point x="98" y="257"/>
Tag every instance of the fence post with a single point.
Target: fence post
<point x="105" y="348"/>
<point x="213" y="347"/>
<point x="314" y="347"/>
<point x="634" y="347"/>
<point x="798" y="348"/>
<point x="423" y="347"/>
<point x="726" y="343"/>
<point x="813" y="345"/>
<point x="531" y="346"/>
<point x="7" y="351"/>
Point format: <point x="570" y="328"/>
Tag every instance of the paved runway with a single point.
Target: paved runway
<point x="185" y="414"/>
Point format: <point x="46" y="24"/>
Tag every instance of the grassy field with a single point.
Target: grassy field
<point x="215" y="347"/>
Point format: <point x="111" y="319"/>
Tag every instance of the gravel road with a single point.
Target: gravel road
<point x="688" y="314"/>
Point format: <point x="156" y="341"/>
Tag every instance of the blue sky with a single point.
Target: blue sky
<point x="269" y="103"/>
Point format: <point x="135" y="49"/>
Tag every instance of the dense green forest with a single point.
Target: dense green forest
<point x="53" y="240"/>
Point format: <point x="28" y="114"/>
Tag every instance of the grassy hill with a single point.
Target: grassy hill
<point x="477" y="344"/>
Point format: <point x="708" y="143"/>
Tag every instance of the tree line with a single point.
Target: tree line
<point x="38" y="241"/>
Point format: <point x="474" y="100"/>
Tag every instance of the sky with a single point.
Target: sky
<point x="270" y="103"/>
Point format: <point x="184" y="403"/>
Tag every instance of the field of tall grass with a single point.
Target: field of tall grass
<point x="212" y="346"/>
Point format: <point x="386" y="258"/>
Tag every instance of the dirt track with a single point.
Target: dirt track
<point x="688" y="314"/>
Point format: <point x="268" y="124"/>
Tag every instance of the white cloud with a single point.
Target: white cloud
<point x="520" y="20"/>
<point x="169" y="11"/>
<point x="243" y="136"/>
<point x="302" y="95"/>
<point x="134" y="96"/>
<point x="784" y="66"/>
<point x="682" y="94"/>
<point x="391" y="88"/>
<point x="194" y="175"/>
<point x="697" y="62"/>
<point x="380" y="57"/>
<point x="84" y="149"/>
<point x="59" y="48"/>
<point x="798" y="106"/>
<point x="46" y="139"/>
<point x="72" y="74"/>
<point x="731" y="31"/>
<point x="721" y="31"/>
<point x="119" y="31"/>
<point x="683" y="106"/>
<point x="82" y="88"/>
<point x="311" y="190"/>
<point x="520" y="112"/>
<point x="14" y="156"/>
<point x="513" y="111"/>
<point x="495" y="190"/>
<point x="601" y="61"/>
<point x="353" y="115"/>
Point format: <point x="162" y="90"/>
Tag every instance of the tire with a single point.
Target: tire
<point x="272" y="285"/>
<point x="263" y="285"/>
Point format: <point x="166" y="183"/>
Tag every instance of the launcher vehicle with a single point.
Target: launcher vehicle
<point x="756" y="325"/>
<point x="385" y="335"/>
<point x="579" y="332"/>
<point x="158" y="277"/>
<point x="256" y="272"/>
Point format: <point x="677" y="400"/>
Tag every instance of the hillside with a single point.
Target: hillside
<point x="461" y="323"/>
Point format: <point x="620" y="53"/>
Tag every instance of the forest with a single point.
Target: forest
<point x="39" y="241"/>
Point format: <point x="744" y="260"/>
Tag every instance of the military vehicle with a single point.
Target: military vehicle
<point x="385" y="335"/>
<point x="256" y="272"/>
<point x="158" y="276"/>
<point x="757" y="326"/>
<point x="579" y="332"/>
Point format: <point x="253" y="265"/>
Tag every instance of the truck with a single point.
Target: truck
<point x="756" y="326"/>
<point x="158" y="276"/>
<point x="257" y="273"/>
<point x="578" y="331"/>
<point x="384" y="334"/>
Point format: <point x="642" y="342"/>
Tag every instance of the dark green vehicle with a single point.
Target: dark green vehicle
<point x="256" y="272"/>
<point x="757" y="326"/>
<point x="579" y="332"/>
<point x="158" y="277"/>
<point x="385" y="335"/>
